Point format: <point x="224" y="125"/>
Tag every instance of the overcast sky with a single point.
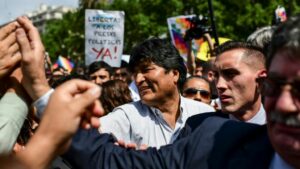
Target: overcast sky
<point x="10" y="9"/>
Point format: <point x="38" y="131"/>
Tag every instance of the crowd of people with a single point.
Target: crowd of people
<point x="238" y="110"/>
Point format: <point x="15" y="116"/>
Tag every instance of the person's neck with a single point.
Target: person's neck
<point x="249" y="112"/>
<point x="170" y="109"/>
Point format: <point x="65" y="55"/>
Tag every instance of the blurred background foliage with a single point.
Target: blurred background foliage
<point x="235" y="19"/>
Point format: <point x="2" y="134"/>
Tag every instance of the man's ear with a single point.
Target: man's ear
<point x="210" y="75"/>
<point x="176" y="75"/>
<point x="261" y="76"/>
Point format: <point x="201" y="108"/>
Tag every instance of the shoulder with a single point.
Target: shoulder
<point x="136" y="107"/>
<point x="195" y="106"/>
<point x="195" y="120"/>
<point x="229" y="132"/>
<point x="242" y="140"/>
<point x="130" y="112"/>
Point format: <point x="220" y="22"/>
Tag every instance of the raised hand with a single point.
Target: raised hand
<point x="9" y="49"/>
<point x="32" y="52"/>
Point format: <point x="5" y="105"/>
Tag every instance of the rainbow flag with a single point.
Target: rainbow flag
<point x="177" y="28"/>
<point x="280" y="14"/>
<point x="63" y="62"/>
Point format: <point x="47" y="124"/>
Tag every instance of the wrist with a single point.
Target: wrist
<point x="40" y="90"/>
<point x="37" y="90"/>
<point x="39" y="152"/>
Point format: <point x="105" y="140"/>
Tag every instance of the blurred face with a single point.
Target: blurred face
<point x="198" y="71"/>
<point x="197" y="89"/>
<point x="100" y="76"/>
<point x="122" y="74"/>
<point x="235" y="81"/>
<point x="155" y="84"/>
<point x="282" y="104"/>
<point x="57" y="75"/>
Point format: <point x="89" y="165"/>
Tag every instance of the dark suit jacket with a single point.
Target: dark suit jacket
<point x="194" y="121"/>
<point x="217" y="143"/>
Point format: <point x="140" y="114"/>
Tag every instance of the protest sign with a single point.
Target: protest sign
<point x="104" y="33"/>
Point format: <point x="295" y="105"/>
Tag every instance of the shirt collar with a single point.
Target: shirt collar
<point x="278" y="163"/>
<point x="258" y="118"/>
<point x="158" y="113"/>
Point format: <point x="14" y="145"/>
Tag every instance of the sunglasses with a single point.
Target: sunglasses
<point x="192" y="91"/>
<point x="273" y="85"/>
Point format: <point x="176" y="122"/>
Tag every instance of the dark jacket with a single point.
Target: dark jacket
<point x="216" y="143"/>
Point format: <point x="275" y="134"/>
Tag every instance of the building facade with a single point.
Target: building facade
<point x="45" y="13"/>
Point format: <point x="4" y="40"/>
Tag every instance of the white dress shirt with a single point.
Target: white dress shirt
<point x="278" y="163"/>
<point x="138" y="123"/>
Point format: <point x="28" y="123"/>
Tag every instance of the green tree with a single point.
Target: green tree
<point x="65" y="37"/>
<point x="235" y="19"/>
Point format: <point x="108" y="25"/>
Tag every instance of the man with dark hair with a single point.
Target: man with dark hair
<point x="156" y="119"/>
<point x="219" y="142"/>
<point x="282" y="96"/>
<point x="239" y="70"/>
<point x="100" y="72"/>
<point x="165" y="56"/>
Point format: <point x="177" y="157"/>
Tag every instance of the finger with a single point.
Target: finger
<point x="13" y="48"/>
<point x="82" y="94"/>
<point x="23" y="42"/>
<point x="6" y="30"/>
<point x="82" y="122"/>
<point x="143" y="147"/>
<point x="11" y="61"/>
<point x="86" y="99"/>
<point x="10" y="65"/>
<point x="95" y="122"/>
<point x="97" y="109"/>
<point x="121" y="143"/>
<point x="76" y="86"/>
<point x="9" y="40"/>
<point x="16" y="58"/>
<point x="132" y="146"/>
<point x="85" y="124"/>
<point x="30" y="29"/>
<point x="88" y="118"/>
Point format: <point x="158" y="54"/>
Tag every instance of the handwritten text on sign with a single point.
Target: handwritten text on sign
<point x="104" y="32"/>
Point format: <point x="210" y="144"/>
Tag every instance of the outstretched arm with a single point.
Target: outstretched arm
<point x="73" y="104"/>
<point x="89" y="149"/>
